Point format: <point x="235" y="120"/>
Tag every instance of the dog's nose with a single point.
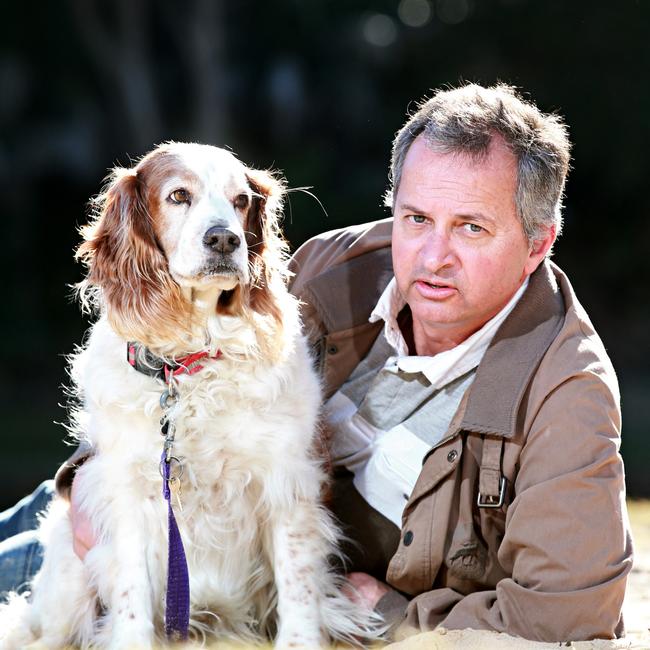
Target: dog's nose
<point x="221" y="240"/>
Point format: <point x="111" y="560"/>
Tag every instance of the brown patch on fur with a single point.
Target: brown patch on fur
<point x="125" y="260"/>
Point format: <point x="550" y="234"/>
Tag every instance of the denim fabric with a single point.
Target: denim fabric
<point x="20" y="552"/>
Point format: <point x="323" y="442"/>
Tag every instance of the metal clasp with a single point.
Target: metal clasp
<point x="176" y="468"/>
<point x="490" y="501"/>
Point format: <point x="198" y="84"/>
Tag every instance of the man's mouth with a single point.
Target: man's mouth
<point x="436" y="285"/>
<point x="434" y="290"/>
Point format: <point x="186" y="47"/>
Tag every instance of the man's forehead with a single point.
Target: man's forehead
<point x="497" y="152"/>
<point x="428" y="170"/>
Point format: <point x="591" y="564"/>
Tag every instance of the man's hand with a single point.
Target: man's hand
<point x="366" y="589"/>
<point x="82" y="530"/>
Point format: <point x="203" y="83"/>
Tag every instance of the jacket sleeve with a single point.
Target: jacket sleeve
<point x="335" y="247"/>
<point x="567" y="545"/>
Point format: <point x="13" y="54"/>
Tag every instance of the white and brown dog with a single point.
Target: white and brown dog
<point x="185" y="257"/>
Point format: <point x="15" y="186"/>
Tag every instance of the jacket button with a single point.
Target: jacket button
<point x="452" y="455"/>
<point x="408" y="537"/>
<point x="332" y="349"/>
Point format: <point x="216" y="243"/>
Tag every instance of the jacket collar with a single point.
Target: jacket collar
<point x="516" y="351"/>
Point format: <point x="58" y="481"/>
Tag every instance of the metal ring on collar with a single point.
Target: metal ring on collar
<point x="167" y="400"/>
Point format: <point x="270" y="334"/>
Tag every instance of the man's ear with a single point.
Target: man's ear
<point x="539" y="249"/>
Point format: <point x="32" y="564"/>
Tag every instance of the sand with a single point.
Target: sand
<point x="441" y="639"/>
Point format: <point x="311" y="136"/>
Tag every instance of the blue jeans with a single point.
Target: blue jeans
<point x="21" y="554"/>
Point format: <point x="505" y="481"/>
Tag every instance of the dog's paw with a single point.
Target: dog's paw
<point x="295" y="640"/>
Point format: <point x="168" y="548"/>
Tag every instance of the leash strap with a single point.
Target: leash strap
<point x="177" y="600"/>
<point x="177" y="606"/>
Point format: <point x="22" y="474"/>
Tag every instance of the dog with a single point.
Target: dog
<point x="199" y="340"/>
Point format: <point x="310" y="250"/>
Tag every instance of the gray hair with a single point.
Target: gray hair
<point x="464" y="120"/>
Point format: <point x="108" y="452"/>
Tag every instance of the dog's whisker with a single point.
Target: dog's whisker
<point x="305" y="190"/>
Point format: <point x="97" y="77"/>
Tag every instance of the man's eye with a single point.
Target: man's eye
<point x="417" y="218"/>
<point x="180" y="195"/>
<point x="474" y="228"/>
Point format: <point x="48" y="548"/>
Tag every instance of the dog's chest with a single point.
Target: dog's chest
<point x="223" y="445"/>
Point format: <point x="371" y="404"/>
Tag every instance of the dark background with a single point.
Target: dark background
<point x="316" y="89"/>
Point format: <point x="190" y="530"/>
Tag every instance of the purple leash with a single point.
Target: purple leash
<point x="177" y="606"/>
<point x="177" y="610"/>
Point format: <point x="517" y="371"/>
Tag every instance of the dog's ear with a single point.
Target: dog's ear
<point x="126" y="263"/>
<point x="267" y="249"/>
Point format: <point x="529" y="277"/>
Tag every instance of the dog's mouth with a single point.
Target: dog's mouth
<point x="221" y="273"/>
<point x="218" y="273"/>
<point x="221" y="269"/>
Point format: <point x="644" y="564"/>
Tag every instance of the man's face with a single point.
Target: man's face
<point x="459" y="249"/>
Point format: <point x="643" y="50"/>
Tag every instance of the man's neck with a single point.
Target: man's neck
<point x="429" y="344"/>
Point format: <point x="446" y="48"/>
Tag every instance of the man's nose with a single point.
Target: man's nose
<point x="221" y="240"/>
<point x="439" y="251"/>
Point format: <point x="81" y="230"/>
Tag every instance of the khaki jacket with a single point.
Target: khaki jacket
<point x="543" y="413"/>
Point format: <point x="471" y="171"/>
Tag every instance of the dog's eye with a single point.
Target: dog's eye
<point x="180" y="196"/>
<point x="241" y="201"/>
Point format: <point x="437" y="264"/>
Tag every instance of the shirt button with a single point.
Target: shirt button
<point x="452" y="455"/>
<point x="408" y="538"/>
<point x="332" y="349"/>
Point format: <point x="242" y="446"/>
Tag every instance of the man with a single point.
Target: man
<point x="472" y="414"/>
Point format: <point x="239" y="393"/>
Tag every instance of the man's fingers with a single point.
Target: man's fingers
<point x="364" y="589"/>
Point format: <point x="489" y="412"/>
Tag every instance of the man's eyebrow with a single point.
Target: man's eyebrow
<point x="411" y="209"/>
<point x="476" y="216"/>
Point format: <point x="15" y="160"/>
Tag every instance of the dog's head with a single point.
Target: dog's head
<point x="187" y="220"/>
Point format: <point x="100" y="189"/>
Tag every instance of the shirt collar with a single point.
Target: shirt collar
<point x="446" y="366"/>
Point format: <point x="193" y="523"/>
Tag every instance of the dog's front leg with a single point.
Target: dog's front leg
<point x="299" y="560"/>
<point x="120" y="568"/>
